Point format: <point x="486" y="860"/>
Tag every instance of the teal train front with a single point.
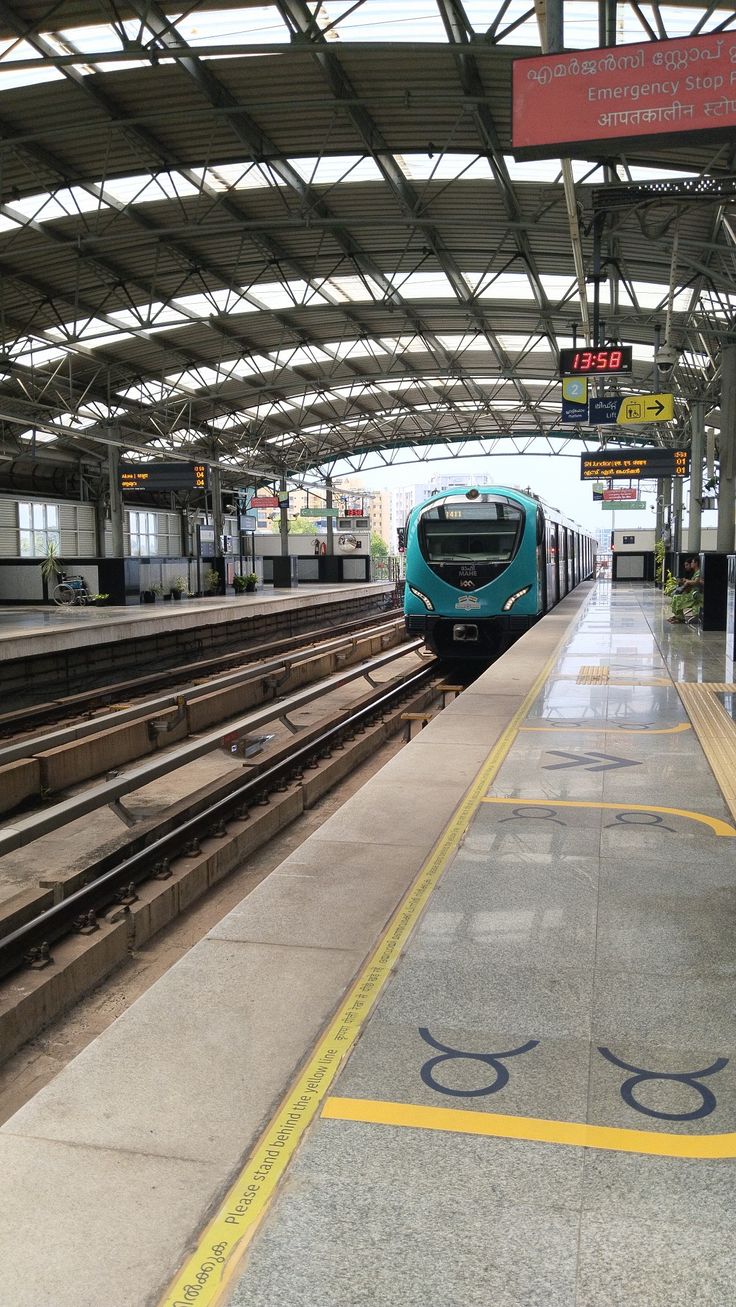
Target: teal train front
<point x="484" y="563"/>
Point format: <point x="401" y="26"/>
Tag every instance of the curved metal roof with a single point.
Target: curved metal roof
<point x="276" y="236"/>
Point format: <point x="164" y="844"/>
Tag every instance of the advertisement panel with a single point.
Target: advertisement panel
<point x="656" y="88"/>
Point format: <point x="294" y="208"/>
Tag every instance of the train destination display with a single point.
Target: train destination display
<point x="163" y="476"/>
<point x="634" y="464"/>
<point x="599" y="97"/>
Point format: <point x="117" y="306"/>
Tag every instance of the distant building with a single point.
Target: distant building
<point x="407" y="497"/>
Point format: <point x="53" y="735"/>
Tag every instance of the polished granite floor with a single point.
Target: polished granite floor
<point x="576" y="964"/>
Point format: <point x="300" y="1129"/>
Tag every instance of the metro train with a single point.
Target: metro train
<point x="483" y="564"/>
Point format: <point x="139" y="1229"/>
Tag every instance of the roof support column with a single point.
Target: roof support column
<point x="697" y="437"/>
<point x="727" y="453"/>
<point x="607" y="22"/>
<point x="116" y="501"/>
<point x="330" y="519"/>
<point x="677" y="515"/>
<point x="284" y="521"/>
<point x="666" y="494"/>
<point x="550" y="19"/>
<point x="216" y="492"/>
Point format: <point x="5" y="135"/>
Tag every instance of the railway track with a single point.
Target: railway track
<point x="35" y="768"/>
<point x="51" y="954"/>
<point x="84" y="703"/>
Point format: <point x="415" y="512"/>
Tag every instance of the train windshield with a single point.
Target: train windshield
<point x="481" y="532"/>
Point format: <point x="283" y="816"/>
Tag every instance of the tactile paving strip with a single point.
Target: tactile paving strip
<point x="716" y="731"/>
<point x="593" y="675"/>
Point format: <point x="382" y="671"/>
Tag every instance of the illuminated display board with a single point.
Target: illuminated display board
<point x="162" y="476"/>
<point x="635" y="464"/>
<point x="588" y="362"/>
<point x="601" y="96"/>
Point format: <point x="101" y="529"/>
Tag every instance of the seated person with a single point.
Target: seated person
<point x="688" y="597"/>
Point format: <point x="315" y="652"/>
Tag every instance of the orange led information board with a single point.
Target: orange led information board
<point x="162" y="476"/>
<point x="634" y="464"/>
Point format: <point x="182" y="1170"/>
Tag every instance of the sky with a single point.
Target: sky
<point x="555" y="478"/>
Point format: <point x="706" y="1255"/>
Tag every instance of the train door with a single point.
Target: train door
<point x="541" y="568"/>
<point x="553" y="585"/>
<point x="570" y="559"/>
<point x="578" y="562"/>
<point x="562" y="555"/>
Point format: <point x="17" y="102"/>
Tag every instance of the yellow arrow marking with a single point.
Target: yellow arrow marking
<point x="577" y="1134"/>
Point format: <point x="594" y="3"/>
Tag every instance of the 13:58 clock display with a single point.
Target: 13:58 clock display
<point x="595" y="362"/>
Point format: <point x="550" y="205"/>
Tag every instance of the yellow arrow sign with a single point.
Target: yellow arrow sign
<point x="646" y="408"/>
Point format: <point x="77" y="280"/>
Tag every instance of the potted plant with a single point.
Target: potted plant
<point x="99" y="600"/>
<point x="157" y="591"/>
<point x="178" y="587"/>
<point x="251" y="581"/>
<point x="51" y="566"/>
<point x="212" y="581"/>
<point x="239" y="584"/>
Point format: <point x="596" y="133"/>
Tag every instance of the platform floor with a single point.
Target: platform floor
<point x="513" y="1085"/>
<point x="25" y="631"/>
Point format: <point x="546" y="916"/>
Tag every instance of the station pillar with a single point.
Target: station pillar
<point x="216" y="492"/>
<point x="727" y="453"/>
<point x="697" y="439"/>
<point x="676" y="544"/>
<point x="330" y="520"/>
<point x="284" y="522"/>
<point x="116" y="500"/>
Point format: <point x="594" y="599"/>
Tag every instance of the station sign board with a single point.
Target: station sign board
<point x="630" y="410"/>
<point x="621" y="492"/>
<point x="634" y="464"/>
<point x="615" y="505"/>
<point x="162" y="476"/>
<point x="319" y="512"/>
<point x="264" y="501"/>
<point x="627" y="92"/>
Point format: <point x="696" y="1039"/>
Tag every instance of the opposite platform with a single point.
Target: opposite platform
<point x="30" y="632"/>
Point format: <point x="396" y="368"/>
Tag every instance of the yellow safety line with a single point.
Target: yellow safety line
<point x="535" y="1129"/>
<point x="719" y="827"/>
<point x="606" y="729"/>
<point x="210" y="1268"/>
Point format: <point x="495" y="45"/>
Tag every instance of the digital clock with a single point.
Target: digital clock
<point x="596" y="362"/>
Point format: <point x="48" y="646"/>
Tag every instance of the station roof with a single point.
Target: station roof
<point x="293" y="236"/>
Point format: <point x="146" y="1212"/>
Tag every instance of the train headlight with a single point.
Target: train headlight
<point x="513" y="598"/>
<point x="427" y="602"/>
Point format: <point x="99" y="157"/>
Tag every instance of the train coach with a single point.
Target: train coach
<point x="484" y="563"/>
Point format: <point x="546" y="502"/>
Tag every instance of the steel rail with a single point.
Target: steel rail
<point x="16" y="949"/>
<point x="254" y="671"/>
<point x="31" y="828"/>
<point x="84" y="700"/>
